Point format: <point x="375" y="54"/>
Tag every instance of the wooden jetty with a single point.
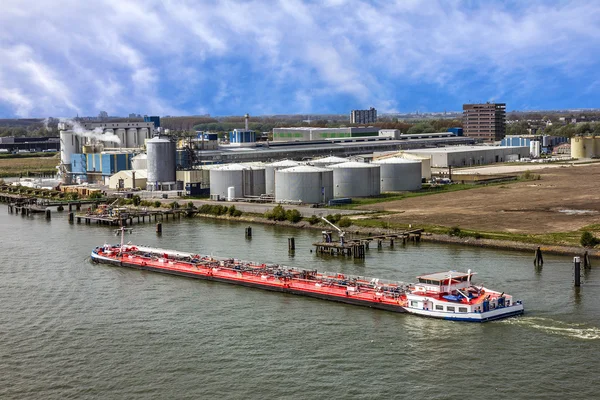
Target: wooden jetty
<point x="356" y="247"/>
<point x="128" y="216"/>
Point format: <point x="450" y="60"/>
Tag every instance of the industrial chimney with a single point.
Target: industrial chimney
<point x="247" y="119"/>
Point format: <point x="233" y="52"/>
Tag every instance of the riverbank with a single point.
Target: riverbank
<point x="359" y="231"/>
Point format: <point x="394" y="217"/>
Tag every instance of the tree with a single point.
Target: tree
<point x="136" y="200"/>
<point x="588" y="239"/>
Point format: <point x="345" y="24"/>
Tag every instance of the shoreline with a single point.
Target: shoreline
<point x="430" y="237"/>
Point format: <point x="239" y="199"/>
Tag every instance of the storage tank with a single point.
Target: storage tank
<point x="231" y="193"/>
<point x="139" y="162"/>
<point x="122" y="135"/>
<point x="224" y="177"/>
<point x="142" y="135"/>
<point x="69" y="145"/>
<point x="254" y="180"/>
<point x="534" y="149"/>
<point x="326" y="161"/>
<point x="356" y="179"/>
<point x="425" y="164"/>
<point x="132" y="137"/>
<point x="304" y="183"/>
<point x="577" y="147"/>
<point x="161" y="163"/>
<point x="399" y="174"/>
<point x="270" y="173"/>
<point x="588" y="144"/>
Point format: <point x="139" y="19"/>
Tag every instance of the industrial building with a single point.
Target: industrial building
<point x="128" y="179"/>
<point x="546" y="142"/>
<point x="485" y="121"/>
<point x="309" y="134"/>
<point x="130" y="134"/>
<point x="585" y="147"/>
<point x="363" y="116"/>
<point x="466" y="156"/>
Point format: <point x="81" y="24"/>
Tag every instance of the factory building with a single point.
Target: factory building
<point x="129" y="179"/>
<point x="97" y="167"/>
<point x="309" y="134"/>
<point x="363" y="116"/>
<point x="130" y="134"/>
<point x="466" y="156"/>
<point x="546" y="142"/>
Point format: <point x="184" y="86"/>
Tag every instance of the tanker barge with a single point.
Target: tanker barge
<point x="447" y="295"/>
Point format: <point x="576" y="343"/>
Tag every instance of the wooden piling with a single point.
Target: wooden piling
<point x="71" y="217"/>
<point x="577" y="271"/>
<point x="249" y="231"/>
<point x="48" y="214"/>
<point x="159" y="227"/>
<point x="291" y="244"/>
<point x="538" y="260"/>
<point x="586" y="260"/>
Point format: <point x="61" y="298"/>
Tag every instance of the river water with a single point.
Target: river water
<point x="73" y="329"/>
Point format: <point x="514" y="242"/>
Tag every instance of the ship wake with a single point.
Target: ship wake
<point x="555" y="327"/>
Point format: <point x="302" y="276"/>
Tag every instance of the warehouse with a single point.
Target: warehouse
<point x="466" y="156"/>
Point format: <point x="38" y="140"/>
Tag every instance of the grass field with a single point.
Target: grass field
<point x="27" y="166"/>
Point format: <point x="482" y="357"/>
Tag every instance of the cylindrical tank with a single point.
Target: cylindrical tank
<point x="231" y="193"/>
<point x="534" y="149"/>
<point x="577" y="147"/>
<point x="356" y="179"/>
<point x="270" y="173"/>
<point x="304" y="183"/>
<point x="597" y="146"/>
<point x="425" y="164"/>
<point x="545" y="141"/>
<point x="161" y="162"/>
<point x="139" y="162"/>
<point x="131" y="138"/>
<point x="122" y="135"/>
<point x="326" y="161"/>
<point x="226" y="176"/>
<point x="254" y="180"/>
<point x="69" y="145"/>
<point x="399" y="174"/>
<point x="142" y="135"/>
<point x="588" y="144"/>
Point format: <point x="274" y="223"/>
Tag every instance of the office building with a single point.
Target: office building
<point x="363" y="116"/>
<point x="485" y="121"/>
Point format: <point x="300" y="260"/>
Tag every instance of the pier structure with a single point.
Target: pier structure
<point x="129" y="216"/>
<point x="356" y="247"/>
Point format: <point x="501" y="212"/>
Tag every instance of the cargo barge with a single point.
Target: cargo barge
<point x="447" y="295"/>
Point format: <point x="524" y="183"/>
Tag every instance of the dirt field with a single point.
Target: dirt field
<point x="564" y="199"/>
<point x="16" y="166"/>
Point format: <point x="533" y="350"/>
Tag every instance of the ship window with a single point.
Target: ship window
<point x="450" y="308"/>
<point x="439" y="307"/>
<point x="413" y="303"/>
<point x="462" y="309"/>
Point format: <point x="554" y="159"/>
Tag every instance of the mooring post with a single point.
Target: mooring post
<point x="159" y="228"/>
<point x="586" y="260"/>
<point x="249" y="231"/>
<point x="48" y="214"/>
<point x="291" y="244"/>
<point x="577" y="271"/>
<point x="71" y="217"/>
<point x="538" y="260"/>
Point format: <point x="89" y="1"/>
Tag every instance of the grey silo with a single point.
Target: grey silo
<point x="160" y="161"/>
<point x="304" y="183"/>
<point x="400" y="174"/>
<point x="355" y="179"/>
<point x="270" y="173"/>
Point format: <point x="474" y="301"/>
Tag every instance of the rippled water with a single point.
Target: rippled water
<point x="72" y="329"/>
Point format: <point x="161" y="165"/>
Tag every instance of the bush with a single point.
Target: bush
<point x="454" y="231"/>
<point x="95" y="195"/>
<point x="136" y="200"/>
<point x="237" y="213"/>
<point x="146" y="203"/>
<point x="344" y="222"/>
<point x="293" y="216"/>
<point x="191" y="205"/>
<point x="314" y="220"/>
<point x="588" y="239"/>
<point x="157" y="204"/>
<point x="174" y="205"/>
<point x="231" y="211"/>
<point x="276" y="214"/>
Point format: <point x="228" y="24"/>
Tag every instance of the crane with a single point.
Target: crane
<point x="340" y="232"/>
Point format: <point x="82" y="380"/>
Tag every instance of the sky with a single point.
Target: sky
<point x="63" y="58"/>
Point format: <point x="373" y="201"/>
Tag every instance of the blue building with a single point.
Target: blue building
<point x="457" y="131"/>
<point x="242" y="136"/>
<point x="154" y="119"/>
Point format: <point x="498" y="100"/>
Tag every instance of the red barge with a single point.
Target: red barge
<point x="356" y="290"/>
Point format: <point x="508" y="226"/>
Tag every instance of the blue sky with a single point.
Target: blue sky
<point x="183" y="57"/>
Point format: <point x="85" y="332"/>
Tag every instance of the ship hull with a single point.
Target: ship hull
<point x="289" y="289"/>
<point x="500" y="313"/>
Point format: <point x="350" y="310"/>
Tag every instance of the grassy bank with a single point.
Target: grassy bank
<point x="27" y="166"/>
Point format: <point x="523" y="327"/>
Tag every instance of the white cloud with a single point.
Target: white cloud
<point x="152" y="56"/>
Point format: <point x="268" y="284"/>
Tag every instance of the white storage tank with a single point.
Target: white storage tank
<point x="139" y="162"/>
<point x="161" y="163"/>
<point x="304" y="183"/>
<point x="69" y="145"/>
<point x="132" y="137"/>
<point x="142" y="135"/>
<point x="224" y="177"/>
<point x="122" y="135"/>
<point x="270" y="173"/>
<point x="356" y="179"/>
<point x="534" y="149"/>
<point x="231" y="193"/>
<point x="327" y="161"/>
<point x="254" y="180"/>
<point x="400" y="174"/>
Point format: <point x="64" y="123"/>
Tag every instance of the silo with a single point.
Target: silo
<point x="132" y="137"/>
<point x="142" y="135"/>
<point x="139" y="162"/>
<point x="253" y="180"/>
<point x="356" y="179"/>
<point x="122" y="135"/>
<point x="577" y="147"/>
<point x="161" y="163"/>
<point x="69" y="145"/>
<point x="425" y="164"/>
<point x="224" y="177"/>
<point x="326" y="161"/>
<point x="270" y="173"/>
<point x="304" y="183"/>
<point x="588" y="145"/>
<point x="399" y="174"/>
